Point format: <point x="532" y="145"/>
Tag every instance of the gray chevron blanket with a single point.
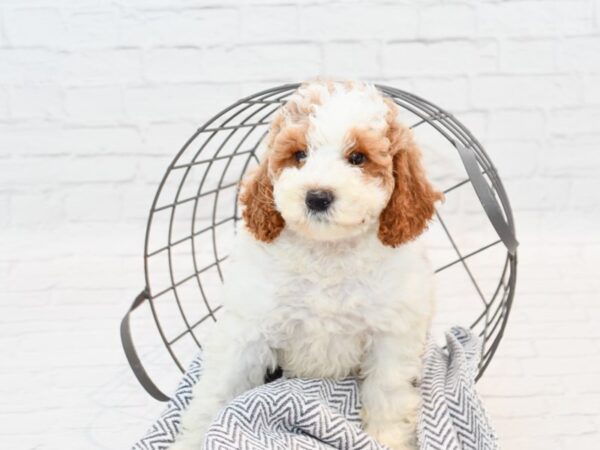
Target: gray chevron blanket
<point x="318" y="414"/>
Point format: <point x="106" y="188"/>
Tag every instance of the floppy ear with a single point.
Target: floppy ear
<point x="260" y="215"/>
<point x="412" y="203"/>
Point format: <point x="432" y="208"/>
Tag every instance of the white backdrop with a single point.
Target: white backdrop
<point x="96" y="96"/>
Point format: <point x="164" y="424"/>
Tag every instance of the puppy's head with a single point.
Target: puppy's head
<point x="337" y="164"/>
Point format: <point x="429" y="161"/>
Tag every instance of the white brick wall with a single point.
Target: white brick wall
<point x="97" y="95"/>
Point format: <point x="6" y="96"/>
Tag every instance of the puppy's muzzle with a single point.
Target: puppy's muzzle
<point x="319" y="200"/>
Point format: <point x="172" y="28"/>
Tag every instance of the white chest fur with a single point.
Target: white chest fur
<point x="319" y="305"/>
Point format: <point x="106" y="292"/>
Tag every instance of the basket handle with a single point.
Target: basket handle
<point x="487" y="199"/>
<point x="131" y="354"/>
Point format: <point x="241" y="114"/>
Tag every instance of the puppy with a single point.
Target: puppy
<point x="326" y="279"/>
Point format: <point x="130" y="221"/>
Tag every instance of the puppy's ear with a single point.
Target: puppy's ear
<point x="260" y="215"/>
<point x="412" y="203"/>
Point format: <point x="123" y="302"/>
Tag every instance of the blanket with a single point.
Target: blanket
<point x="319" y="414"/>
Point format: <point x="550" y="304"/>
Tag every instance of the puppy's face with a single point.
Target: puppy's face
<point x="338" y="164"/>
<point x="331" y="163"/>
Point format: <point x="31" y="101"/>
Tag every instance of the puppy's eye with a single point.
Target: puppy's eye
<point x="357" y="158"/>
<point x="300" y="155"/>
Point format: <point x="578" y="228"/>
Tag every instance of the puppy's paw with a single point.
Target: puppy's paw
<point x="393" y="437"/>
<point x="187" y="441"/>
<point x="182" y="445"/>
<point x="195" y="422"/>
<point x="191" y="435"/>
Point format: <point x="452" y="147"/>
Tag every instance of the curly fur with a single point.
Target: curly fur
<point x="412" y="203"/>
<point x="259" y="211"/>
<point x="344" y="293"/>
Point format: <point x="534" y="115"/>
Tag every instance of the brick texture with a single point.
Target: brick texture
<point x="97" y="96"/>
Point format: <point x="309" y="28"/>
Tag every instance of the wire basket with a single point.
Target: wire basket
<point x="194" y="214"/>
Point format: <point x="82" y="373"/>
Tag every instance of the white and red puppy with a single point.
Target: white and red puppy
<point x="326" y="279"/>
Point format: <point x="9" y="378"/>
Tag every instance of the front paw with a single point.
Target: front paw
<point x="183" y="445"/>
<point x="393" y="437"/>
<point x="191" y="434"/>
<point x="194" y="425"/>
<point x="187" y="441"/>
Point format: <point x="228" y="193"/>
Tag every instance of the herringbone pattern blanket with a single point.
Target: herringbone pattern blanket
<point x="317" y="414"/>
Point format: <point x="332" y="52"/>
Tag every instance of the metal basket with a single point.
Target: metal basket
<point x="195" y="211"/>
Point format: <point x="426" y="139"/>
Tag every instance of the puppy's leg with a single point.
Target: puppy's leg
<point x="390" y="399"/>
<point x="235" y="360"/>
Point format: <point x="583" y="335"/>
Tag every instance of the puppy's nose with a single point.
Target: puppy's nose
<point x="318" y="200"/>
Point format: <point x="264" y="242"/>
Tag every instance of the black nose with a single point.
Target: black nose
<point x="318" y="200"/>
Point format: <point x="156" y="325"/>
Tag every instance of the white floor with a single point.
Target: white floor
<point x="65" y="382"/>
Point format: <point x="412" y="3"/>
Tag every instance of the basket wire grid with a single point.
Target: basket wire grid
<point x="224" y="148"/>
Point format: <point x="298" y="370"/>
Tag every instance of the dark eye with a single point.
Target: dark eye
<point x="357" y="158"/>
<point x="300" y="155"/>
